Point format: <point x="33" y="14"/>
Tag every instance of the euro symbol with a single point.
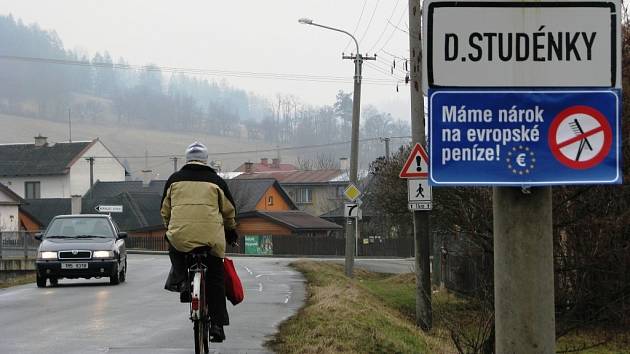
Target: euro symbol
<point x="520" y="160"/>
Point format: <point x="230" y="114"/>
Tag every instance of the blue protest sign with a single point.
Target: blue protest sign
<point x="516" y="138"/>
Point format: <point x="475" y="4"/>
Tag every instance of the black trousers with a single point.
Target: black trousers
<point x="215" y="282"/>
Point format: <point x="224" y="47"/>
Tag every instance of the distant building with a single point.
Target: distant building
<point x="42" y="211"/>
<point x="9" y="210"/>
<point x="265" y="166"/>
<point x="263" y="208"/>
<point x="316" y="192"/>
<point x="56" y="170"/>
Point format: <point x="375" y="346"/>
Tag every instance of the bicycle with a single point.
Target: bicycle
<point x="198" y="306"/>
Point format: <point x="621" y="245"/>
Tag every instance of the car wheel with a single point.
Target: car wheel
<point x="115" y="278"/>
<point x="41" y="282"/>
<point x="123" y="274"/>
<point x="54" y="281"/>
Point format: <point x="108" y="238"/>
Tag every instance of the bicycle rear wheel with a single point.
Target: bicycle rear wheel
<point x="200" y="316"/>
<point x="201" y="335"/>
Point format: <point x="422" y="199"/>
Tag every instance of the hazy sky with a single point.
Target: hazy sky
<point x="241" y="35"/>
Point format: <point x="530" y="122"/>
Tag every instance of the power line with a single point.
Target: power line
<point x="209" y="72"/>
<point x="370" y="23"/>
<point x="228" y="153"/>
<point x="386" y="27"/>
<point x="356" y="27"/>
<point x="391" y="65"/>
<point x="398" y="28"/>
<point x="392" y="55"/>
<point x="394" y="31"/>
<point x="386" y="71"/>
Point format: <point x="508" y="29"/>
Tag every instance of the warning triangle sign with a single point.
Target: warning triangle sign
<point x="417" y="165"/>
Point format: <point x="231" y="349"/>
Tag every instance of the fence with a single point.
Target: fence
<point x="298" y="245"/>
<point x="151" y="243"/>
<point x="18" y="244"/>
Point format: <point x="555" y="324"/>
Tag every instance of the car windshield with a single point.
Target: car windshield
<point x="84" y="227"/>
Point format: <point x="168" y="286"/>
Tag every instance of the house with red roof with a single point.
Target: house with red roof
<point x="265" y="166"/>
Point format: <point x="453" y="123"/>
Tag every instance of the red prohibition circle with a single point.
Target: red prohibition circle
<point x="605" y="129"/>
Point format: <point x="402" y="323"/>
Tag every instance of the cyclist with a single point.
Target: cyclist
<point x="199" y="213"/>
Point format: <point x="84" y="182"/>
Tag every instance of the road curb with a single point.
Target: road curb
<point x="140" y="251"/>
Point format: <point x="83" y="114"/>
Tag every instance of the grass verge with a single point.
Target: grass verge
<point x="374" y="313"/>
<point x="342" y="315"/>
<point x="19" y="280"/>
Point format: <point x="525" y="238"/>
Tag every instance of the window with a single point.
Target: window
<point x="303" y="195"/>
<point x="270" y="200"/>
<point x="31" y="190"/>
<point x="80" y="226"/>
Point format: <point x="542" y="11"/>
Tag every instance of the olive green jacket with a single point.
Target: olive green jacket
<point x="196" y="207"/>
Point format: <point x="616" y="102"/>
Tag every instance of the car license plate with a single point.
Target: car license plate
<point x="74" y="265"/>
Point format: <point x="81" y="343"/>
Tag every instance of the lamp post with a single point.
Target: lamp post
<point x="354" y="144"/>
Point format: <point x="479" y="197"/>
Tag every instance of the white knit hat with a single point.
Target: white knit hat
<point x="197" y="152"/>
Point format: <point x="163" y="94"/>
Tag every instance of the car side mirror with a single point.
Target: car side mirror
<point x="122" y="235"/>
<point x="38" y="236"/>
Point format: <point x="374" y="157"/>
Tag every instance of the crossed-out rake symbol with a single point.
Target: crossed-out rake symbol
<point x="578" y="131"/>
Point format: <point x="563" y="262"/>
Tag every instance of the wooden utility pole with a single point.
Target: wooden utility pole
<point x="424" y="313"/>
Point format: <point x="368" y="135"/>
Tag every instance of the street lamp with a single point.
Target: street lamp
<point x="354" y="144"/>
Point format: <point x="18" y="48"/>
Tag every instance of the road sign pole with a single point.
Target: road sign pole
<point x="523" y="271"/>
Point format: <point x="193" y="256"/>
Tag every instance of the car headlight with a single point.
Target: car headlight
<point x="103" y="254"/>
<point x="47" y="255"/>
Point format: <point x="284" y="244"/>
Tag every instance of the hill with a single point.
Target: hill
<point x="131" y="143"/>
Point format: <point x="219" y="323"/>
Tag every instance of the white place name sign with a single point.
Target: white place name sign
<point x="521" y="44"/>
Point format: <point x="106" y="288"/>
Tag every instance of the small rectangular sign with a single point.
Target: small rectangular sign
<point x="524" y="137"/>
<point x="351" y="210"/>
<point x="420" y="206"/>
<point x="259" y="244"/>
<point x="526" y="44"/>
<point x="74" y="266"/>
<point x="419" y="194"/>
<point x="109" y="208"/>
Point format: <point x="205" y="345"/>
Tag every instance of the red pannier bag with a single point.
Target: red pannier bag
<point x="233" y="287"/>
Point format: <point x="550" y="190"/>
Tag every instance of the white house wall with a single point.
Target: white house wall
<point x="8" y="214"/>
<point x="105" y="169"/>
<point x="50" y="186"/>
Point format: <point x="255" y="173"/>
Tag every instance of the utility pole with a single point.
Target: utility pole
<point x="91" y="161"/>
<point x="386" y="141"/>
<point x="174" y="158"/>
<point x="523" y="270"/>
<point x="422" y="243"/>
<point x="354" y="153"/>
<point x="69" y="125"/>
<point x="146" y="173"/>
<point x="358" y="59"/>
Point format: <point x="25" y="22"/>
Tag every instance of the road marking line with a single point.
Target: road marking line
<point x="260" y="287"/>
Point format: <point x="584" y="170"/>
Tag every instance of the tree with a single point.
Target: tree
<point x="343" y="111"/>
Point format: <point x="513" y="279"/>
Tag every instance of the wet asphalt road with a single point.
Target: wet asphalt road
<point x="138" y="316"/>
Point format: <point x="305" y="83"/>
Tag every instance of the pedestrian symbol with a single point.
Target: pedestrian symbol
<point x="580" y="137"/>
<point x="419" y="191"/>
<point x="419" y="194"/>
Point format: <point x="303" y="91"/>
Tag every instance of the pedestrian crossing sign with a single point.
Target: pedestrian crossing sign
<point x="420" y="194"/>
